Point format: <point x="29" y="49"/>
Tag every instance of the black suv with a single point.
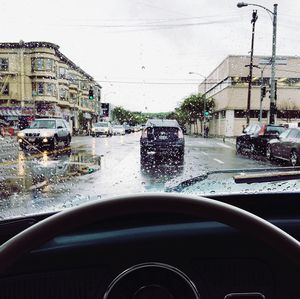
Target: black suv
<point x="162" y="137"/>
<point x="256" y="137"/>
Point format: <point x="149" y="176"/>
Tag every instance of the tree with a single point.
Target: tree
<point x="192" y="108"/>
<point x="132" y="118"/>
<point x="120" y="114"/>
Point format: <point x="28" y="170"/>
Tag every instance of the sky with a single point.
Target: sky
<point x="142" y="51"/>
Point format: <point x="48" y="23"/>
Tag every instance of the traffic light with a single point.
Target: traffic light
<point x="91" y="94"/>
<point x="206" y="113"/>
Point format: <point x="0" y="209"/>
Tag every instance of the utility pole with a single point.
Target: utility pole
<point x="253" y="21"/>
<point x="263" y="91"/>
<point x="204" y="101"/>
<point x="273" y="69"/>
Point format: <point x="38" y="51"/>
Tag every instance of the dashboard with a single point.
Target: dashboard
<point x="159" y="256"/>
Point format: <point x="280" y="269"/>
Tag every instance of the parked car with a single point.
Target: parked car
<point x="256" y="137"/>
<point x="128" y="129"/>
<point x="285" y="147"/>
<point x="162" y="137"/>
<point x="136" y="128"/>
<point x="118" y="130"/>
<point x="102" y="128"/>
<point x="292" y="125"/>
<point x="45" y="132"/>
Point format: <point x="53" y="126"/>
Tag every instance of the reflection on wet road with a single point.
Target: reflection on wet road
<point x="102" y="167"/>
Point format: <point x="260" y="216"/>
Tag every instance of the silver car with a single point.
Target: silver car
<point x="45" y="132"/>
<point x="118" y="130"/>
<point x="102" y="128"/>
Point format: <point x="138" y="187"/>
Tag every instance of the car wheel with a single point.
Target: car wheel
<point x="252" y="149"/>
<point x="180" y="157"/>
<point x="54" y="143"/>
<point x="238" y="147"/>
<point x="68" y="141"/>
<point x="269" y="154"/>
<point x="143" y="156"/>
<point x="294" y="159"/>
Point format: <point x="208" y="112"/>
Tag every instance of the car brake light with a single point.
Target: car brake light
<point x="180" y="134"/>
<point x="262" y="130"/>
<point x="145" y="133"/>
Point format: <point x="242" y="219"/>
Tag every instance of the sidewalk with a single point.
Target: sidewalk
<point x="229" y="140"/>
<point x="9" y="148"/>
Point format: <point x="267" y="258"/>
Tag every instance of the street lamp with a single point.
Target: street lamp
<point x="273" y="59"/>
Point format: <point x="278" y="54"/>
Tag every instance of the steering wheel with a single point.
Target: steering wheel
<point x="201" y="207"/>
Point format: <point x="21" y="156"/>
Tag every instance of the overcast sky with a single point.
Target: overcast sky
<point x="141" y="51"/>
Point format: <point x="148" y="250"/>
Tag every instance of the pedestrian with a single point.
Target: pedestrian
<point x="206" y="131"/>
<point x="2" y="131"/>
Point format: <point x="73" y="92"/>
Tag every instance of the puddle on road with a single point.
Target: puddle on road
<point x="42" y="171"/>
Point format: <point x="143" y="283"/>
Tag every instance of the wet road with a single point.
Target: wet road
<point x="93" y="168"/>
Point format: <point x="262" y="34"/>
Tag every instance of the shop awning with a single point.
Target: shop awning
<point x="5" y="111"/>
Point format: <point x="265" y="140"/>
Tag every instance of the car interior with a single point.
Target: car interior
<point x="156" y="246"/>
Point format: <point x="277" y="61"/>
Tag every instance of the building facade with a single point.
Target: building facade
<point x="37" y="80"/>
<point x="228" y="85"/>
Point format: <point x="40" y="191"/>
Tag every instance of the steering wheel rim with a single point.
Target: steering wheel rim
<point x="201" y="207"/>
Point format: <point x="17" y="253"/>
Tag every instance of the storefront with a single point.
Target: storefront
<point x="17" y="117"/>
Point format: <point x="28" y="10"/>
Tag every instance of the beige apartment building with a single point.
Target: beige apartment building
<point x="228" y="85"/>
<point x="37" y="80"/>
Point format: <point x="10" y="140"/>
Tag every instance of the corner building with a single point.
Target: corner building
<point x="228" y="85"/>
<point x="37" y="80"/>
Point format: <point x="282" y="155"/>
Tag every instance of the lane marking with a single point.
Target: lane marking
<point x="76" y="141"/>
<point x="204" y="153"/>
<point x="219" y="161"/>
<point x="224" y="145"/>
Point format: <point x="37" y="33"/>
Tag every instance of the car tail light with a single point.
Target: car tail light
<point x="145" y="133"/>
<point x="180" y="134"/>
<point x="262" y="130"/>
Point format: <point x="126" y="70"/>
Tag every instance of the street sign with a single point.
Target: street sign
<point x="268" y="61"/>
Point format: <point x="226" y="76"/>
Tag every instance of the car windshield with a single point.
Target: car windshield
<point x="43" y="124"/>
<point x="279" y="130"/>
<point x="144" y="96"/>
<point x="101" y="125"/>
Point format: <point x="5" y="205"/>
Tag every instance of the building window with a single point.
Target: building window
<point x="40" y="88"/>
<point x="49" y="64"/>
<point x="42" y="64"/>
<point x="5" y="90"/>
<point x="239" y="113"/>
<point x="84" y="85"/>
<point x="244" y="81"/>
<point x="3" y="64"/>
<point x="45" y="89"/>
<point x="63" y="73"/>
<point x="50" y="89"/>
<point x="63" y="94"/>
<point x="73" y="79"/>
<point x="253" y="114"/>
<point x="288" y="114"/>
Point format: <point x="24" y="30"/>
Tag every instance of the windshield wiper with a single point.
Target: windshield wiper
<point x="267" y="177"/>
<point x="261" y="175"/>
